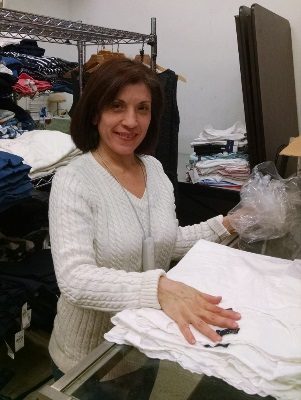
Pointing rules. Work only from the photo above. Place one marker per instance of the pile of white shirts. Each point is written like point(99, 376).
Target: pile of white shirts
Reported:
point(236, 132)
point(264, 357)
point(45, 151)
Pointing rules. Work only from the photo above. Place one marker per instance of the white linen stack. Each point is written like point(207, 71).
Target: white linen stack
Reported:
point(222, 171)
point(236, 132)
point(221, 157)
point(45, 151)
point(265, 356)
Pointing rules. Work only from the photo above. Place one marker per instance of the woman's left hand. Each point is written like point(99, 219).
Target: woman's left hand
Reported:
point(189, 307)
point(227, 225)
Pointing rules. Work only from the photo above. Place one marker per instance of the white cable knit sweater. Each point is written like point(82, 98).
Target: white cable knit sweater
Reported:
point(96, 244)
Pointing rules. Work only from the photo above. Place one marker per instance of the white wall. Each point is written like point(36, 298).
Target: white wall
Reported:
point(196, 38)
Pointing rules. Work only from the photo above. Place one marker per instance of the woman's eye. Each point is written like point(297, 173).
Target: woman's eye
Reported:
point(116, 106)
point(144, 108)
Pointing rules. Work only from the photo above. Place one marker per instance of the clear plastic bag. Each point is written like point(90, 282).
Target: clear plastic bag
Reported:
point(269, 210)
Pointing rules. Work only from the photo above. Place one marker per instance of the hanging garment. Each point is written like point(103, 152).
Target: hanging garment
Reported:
point(167, 148)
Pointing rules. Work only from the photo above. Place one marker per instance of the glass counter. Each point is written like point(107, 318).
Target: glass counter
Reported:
point(171, 383)
point(146, 378)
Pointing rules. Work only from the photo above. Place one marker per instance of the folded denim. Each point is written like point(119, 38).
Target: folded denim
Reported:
point(9, 159)
point(7, 172)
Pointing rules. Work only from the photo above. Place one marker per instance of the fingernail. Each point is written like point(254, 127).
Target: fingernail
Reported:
point(234, 325)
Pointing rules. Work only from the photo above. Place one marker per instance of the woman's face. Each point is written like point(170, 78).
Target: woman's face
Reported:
point(123, 125)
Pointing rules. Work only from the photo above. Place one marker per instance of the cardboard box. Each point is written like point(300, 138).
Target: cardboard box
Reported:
point(293, 149)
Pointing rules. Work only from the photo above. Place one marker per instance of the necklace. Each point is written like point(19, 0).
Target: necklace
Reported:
point(148, 247)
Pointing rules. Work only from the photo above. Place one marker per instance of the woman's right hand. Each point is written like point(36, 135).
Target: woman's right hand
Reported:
point(187, 306)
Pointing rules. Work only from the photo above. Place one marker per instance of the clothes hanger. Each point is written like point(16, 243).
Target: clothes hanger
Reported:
point(95, 59)
point(107, 54)
point(102, 56)
point(94, 68)
point(145, 58)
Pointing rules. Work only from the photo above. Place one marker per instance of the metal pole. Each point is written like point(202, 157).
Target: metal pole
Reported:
point(80, 65)
point(85, 52)
point(153, 44)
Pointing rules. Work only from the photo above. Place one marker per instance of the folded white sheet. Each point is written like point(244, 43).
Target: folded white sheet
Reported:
point(265, 356)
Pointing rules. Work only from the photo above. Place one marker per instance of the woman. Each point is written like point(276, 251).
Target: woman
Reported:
point(112, 220)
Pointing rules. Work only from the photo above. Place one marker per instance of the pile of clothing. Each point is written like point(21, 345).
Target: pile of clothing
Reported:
point(14, 121)
point(264, 356)
point(223, 170)
point(220, 157)
point(15, 183)
point(26, 267)
point(27, 86)
point(27, 63)
point(44, 151)
point(25, 71)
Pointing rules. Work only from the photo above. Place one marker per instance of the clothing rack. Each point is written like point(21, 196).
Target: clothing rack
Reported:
point(16, 24)
point(19, 25)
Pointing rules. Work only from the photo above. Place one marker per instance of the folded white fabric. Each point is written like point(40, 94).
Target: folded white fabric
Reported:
point(265, 356)
point(237, 162)
point(235, 132)
point(45, 151)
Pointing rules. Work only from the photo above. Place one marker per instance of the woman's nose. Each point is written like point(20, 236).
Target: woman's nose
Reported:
point(130, 119)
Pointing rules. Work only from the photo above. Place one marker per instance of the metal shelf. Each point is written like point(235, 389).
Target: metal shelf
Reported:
point(16, 24)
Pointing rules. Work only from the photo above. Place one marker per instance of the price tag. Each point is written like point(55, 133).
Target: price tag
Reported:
point(26, 316)
point(19, 340)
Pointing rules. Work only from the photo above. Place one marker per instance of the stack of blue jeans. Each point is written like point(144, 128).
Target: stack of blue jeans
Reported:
point(15, 183)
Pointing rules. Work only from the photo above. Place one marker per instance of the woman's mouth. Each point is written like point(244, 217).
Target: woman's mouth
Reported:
point(126, 135)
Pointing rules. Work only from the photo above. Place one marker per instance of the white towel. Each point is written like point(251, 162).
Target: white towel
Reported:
point(265, 356)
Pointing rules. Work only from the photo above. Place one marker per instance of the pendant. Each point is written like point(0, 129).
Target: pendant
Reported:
point(148, 254)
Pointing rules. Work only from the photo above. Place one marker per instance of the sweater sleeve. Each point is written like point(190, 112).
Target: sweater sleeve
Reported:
point(80, 280)
point(212, 230)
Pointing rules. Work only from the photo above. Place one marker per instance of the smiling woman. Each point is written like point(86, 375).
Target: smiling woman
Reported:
point(113, 226)
point(123, 125)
